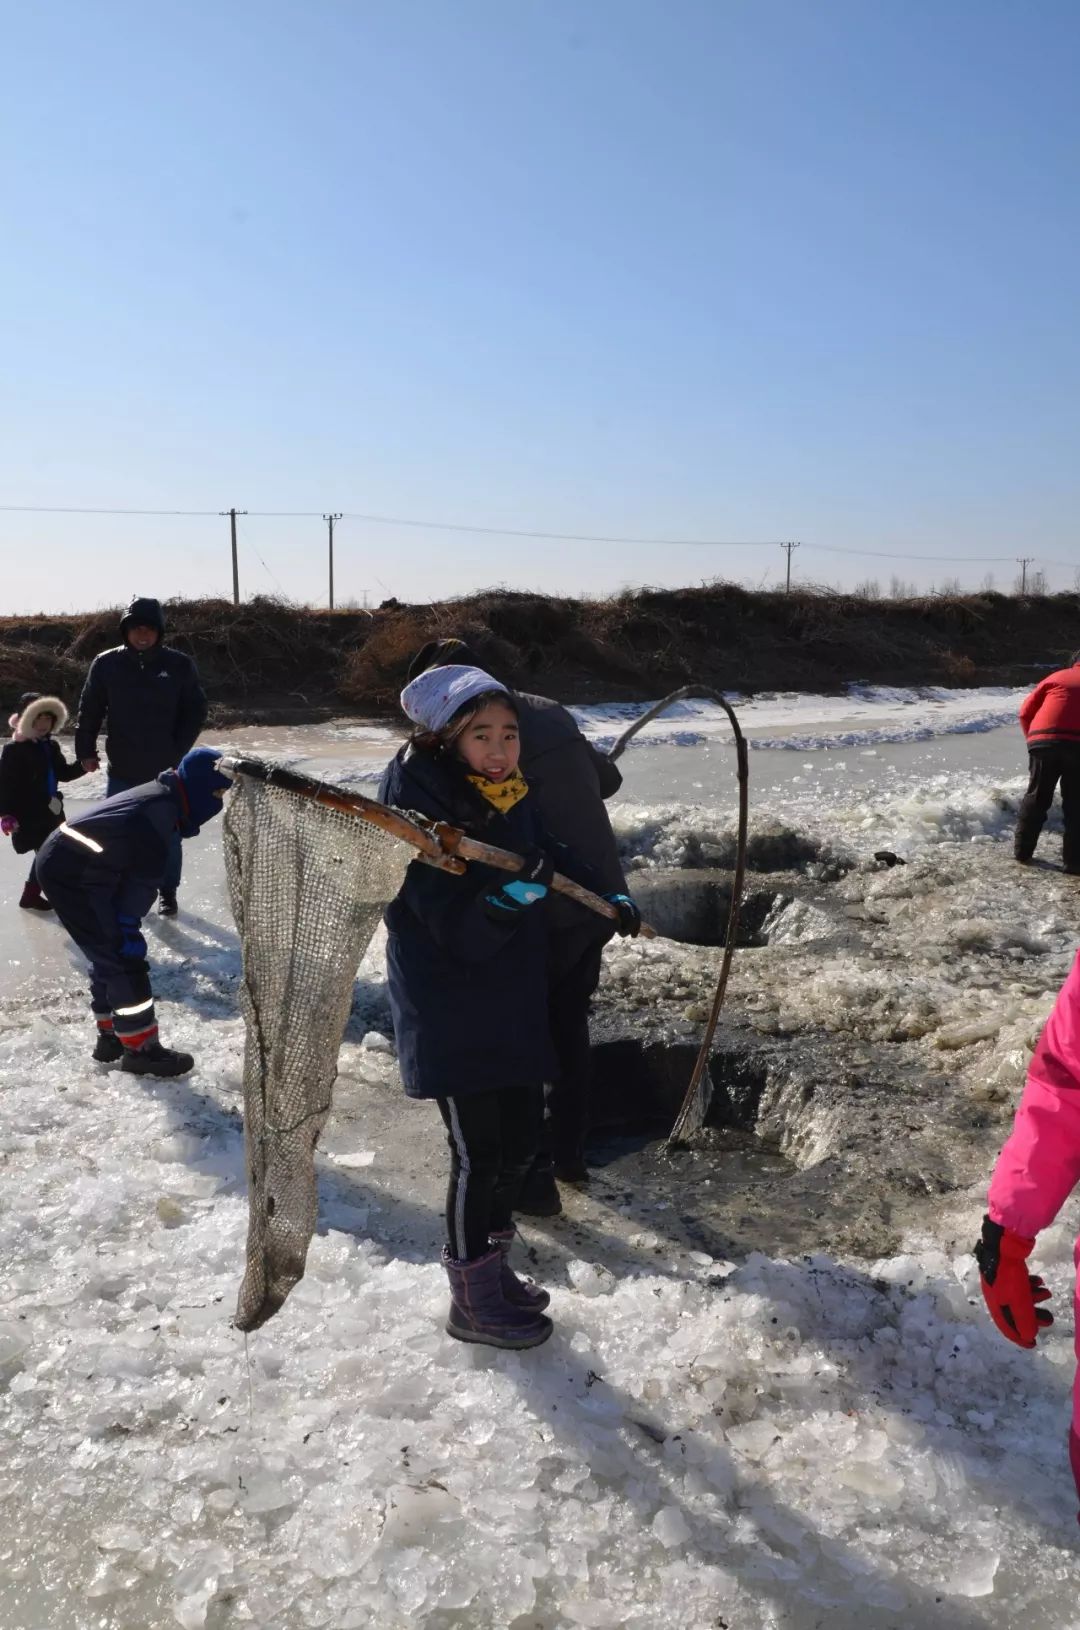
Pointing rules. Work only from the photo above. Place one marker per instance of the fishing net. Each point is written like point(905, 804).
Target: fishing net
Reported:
point(308, 886)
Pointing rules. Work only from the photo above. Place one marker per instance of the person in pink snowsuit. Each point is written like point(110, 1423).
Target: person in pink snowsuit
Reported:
point(1034, 1175)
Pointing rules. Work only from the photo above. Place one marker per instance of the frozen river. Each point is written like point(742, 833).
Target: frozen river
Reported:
point(777, 1443)
point(862, 771)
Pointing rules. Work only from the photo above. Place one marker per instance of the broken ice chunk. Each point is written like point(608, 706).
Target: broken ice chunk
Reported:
point(876, 1481)
point(753, 1439)
point(412, 1511)
point(263, 1493)
point(590, 1278)
point(973, 1575)
point(196, 1585)
point(670, 1527)
point(375, 1042)
point(13, 1348)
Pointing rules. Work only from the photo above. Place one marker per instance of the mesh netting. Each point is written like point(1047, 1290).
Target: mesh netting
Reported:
point(308, 886)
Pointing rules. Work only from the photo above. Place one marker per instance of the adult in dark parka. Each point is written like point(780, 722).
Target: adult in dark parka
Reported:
point(569, 780)
point(149, 698)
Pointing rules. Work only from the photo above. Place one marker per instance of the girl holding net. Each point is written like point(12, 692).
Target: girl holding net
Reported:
point(466, 964)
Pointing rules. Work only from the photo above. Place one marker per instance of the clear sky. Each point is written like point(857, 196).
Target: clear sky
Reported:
point(685, 269)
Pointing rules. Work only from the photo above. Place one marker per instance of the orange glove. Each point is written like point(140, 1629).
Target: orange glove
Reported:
point(1009, 1291)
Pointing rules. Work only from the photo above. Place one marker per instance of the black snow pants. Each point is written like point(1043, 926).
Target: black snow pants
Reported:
point(493, 1138)
point(88, 908)
point(1056, 762)
point(574, 961)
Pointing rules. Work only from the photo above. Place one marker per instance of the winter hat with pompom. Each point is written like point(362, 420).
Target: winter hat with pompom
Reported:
point(432, 698)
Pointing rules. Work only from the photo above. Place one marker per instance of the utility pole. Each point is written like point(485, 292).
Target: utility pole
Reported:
point(330, 519)
point(788, 547)
point(232, 514)
point(1024, 561)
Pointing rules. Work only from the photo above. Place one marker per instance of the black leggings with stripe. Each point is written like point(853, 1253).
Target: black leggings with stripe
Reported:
point(493, 1138)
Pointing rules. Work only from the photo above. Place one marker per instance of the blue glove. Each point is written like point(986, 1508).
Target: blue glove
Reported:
point(524, 889)
point(629, 918)
point(132, 944)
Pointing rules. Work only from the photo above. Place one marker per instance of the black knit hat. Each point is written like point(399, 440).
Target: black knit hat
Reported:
point(145, 611)
point(437, 653)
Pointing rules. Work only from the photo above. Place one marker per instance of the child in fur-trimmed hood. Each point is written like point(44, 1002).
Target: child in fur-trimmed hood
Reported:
point(32, 766)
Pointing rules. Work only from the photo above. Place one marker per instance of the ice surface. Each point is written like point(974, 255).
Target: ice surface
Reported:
point(778, 1445)
point(864, 715)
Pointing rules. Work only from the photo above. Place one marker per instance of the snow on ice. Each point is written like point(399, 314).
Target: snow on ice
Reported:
point(863, 715)
point(763, 1445)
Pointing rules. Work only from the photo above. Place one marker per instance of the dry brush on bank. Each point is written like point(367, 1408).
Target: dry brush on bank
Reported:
point(267, 657)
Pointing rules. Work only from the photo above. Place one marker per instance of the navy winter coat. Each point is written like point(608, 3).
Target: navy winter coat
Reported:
point(569, 780)
point(123, 845)
point(155, 708)
point(30, 774)
point(468, 995)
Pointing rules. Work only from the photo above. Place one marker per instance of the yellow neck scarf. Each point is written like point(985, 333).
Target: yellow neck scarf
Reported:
point(503, 794)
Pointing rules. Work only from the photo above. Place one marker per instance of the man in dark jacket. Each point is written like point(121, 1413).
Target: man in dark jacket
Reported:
point(101, 871)
point(1050, 717)
point(154, 706)
point(569, 779)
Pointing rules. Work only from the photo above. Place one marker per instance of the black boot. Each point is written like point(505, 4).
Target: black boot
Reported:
point(570, 1166)
point(32, 898)
point(167, 906)
point(154, 1059)
point(108, 1047)
point(539, 1194)
point(518, 1292)
point(480, 1312)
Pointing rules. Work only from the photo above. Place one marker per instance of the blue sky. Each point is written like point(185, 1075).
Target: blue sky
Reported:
point(690, 269)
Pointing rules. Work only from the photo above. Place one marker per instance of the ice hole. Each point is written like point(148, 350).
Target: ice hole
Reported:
point(692, 905)
point(638, 1085)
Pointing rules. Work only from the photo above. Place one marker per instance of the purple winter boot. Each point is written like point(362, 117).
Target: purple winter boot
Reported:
point(479, 1311)
point(518, 1292)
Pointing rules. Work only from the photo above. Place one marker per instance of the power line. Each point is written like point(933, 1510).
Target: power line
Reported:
point(403, 520)
point(563, 537)
point(54, 509)
point(668, 543)
point(528, 532)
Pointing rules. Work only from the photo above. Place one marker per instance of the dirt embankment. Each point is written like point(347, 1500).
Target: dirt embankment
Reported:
point(269, 660)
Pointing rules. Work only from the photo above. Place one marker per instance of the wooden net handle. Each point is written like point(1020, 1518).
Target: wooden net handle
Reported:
point(457, 842)
point(439, 843)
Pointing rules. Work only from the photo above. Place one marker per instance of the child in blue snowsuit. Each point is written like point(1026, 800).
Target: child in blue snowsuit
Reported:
point(467, 972)
point(101, 872)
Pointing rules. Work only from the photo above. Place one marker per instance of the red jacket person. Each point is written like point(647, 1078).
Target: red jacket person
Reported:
point(1050, 717)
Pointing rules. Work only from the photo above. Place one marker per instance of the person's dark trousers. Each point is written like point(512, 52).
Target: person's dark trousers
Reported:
point(119, 985)
point(493, 1138)
point(1057, 762)
point(33, 898)
point(171, 880)
point(574, 963)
